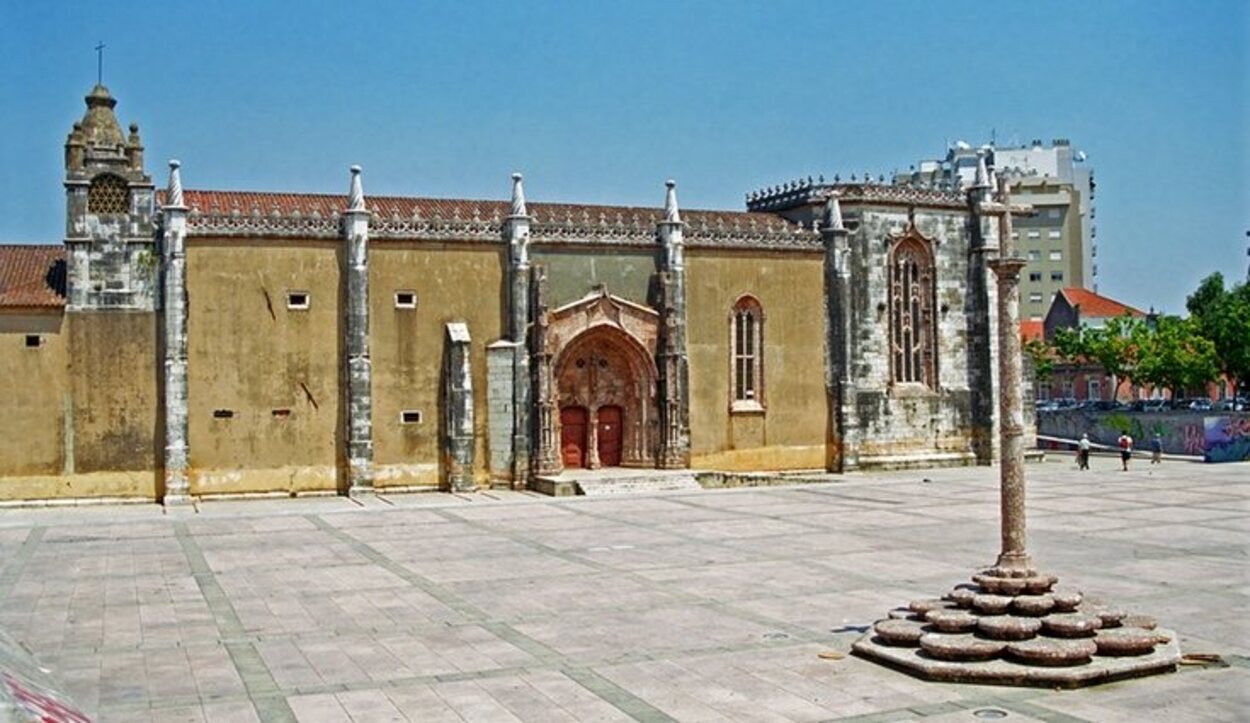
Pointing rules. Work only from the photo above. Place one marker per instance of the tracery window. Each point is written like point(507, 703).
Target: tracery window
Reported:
point(748, 354)
point(911, 314)
point(108, 194)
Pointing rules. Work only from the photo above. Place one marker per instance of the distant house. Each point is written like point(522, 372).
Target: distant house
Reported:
point(1074, 308)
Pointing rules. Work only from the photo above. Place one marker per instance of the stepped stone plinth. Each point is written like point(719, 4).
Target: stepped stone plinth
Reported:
point(1032, 637)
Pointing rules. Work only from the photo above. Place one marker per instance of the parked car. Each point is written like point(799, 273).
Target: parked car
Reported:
point(1047, 405)
point(1200, 405)
point(1154, 405)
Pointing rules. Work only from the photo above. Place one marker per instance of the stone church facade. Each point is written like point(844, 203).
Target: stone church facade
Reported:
point(191, 342)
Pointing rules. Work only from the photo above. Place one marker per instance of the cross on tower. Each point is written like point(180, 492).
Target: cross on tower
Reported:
point(99, 63)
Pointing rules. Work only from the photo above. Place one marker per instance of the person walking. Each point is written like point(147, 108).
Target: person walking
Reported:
point(1156, 449)
point(1126, 450)
point(1082, 453)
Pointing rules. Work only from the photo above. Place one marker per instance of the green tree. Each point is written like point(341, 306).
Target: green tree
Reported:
point(1110, 346)
point(1174, 354)
point(1043, 357)
point(1223, 316)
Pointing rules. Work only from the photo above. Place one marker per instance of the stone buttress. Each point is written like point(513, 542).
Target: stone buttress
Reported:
point(173, 236)
point(674, 382)
point(359, 370)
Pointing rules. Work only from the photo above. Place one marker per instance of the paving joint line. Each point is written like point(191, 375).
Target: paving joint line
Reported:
point(17, 565)
point(266, 696)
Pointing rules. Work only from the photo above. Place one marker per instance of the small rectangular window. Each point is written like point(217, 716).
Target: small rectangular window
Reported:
point(1035, 276)
point(297, 300)
point(1036, 297)
point(1053, 233)
point(405, 299)
point(1056, 276)
point(1034, 233)
point(1015, 234)
point(33, 341)
point(223, 414)
point(410, 416)
point(1054, 213)
point(1035, 255)
point(1056, 256)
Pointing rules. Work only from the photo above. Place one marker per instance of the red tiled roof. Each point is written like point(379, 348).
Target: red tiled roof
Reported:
point(32, 276)
point(1095, 306)
point(1031, 330)
point(404, 207)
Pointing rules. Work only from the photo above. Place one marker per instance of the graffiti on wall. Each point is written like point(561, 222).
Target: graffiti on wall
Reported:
point(1227, 439)
point(1223, 438)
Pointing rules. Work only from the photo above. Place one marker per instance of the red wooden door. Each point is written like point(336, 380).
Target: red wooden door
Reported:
point(573, 436)
point(609, 436)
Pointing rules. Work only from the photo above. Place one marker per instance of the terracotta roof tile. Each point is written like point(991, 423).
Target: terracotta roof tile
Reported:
point(1095, 306)
point(32, 276)
point(405, 207)
point(1031, 330)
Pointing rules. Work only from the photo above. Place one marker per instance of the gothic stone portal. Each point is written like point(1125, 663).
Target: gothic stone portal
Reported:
point(605, 380)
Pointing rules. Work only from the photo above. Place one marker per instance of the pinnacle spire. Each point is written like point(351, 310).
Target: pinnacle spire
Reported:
point(833, 213)
point(173, 194)
point(356, 197)
point(671, 214)
point(518, 196)
point(983, 177)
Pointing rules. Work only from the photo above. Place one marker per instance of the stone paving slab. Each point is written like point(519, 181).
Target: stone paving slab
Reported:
point(710, 605)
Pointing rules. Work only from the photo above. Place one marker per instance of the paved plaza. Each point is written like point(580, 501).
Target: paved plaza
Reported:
point(705, 605)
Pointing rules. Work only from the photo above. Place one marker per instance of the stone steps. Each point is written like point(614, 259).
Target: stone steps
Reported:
point(638, 483)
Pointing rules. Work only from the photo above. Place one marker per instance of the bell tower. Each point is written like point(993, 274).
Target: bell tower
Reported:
point(113, 262)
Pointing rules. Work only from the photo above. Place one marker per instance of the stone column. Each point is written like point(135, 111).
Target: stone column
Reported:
point(546, 448)
point(517, 234)
point(981, 325)
point(177, 486)
point(458, 410)
point(359, 367)
point(674, 392)
point(841, 453)
point(1013, 557)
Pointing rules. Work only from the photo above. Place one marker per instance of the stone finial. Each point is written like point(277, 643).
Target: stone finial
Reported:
point(173, 194)
point(518, 196)
point(983, 176)
point(671, 214)
point(356, 197)
point(833, 213)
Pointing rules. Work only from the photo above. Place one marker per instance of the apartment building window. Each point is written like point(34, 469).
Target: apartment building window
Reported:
point(1054, 213)
point(1056, 255)
point(1035, 276)
point(1053, 233)
point(1035, 297)
point(1035, 255)
point(1095, 388)
point(1034, 233)
point(1056, 276)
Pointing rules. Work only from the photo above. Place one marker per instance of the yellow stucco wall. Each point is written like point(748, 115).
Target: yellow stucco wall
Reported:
point(114, 380)
point(33, 385)
point(250, 354)
point(790, 433)
point(452, 282)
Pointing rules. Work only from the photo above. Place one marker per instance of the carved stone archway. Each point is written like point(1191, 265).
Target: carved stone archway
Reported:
point(603, 349)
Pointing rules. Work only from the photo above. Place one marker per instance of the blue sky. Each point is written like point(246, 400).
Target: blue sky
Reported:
point(600, 102)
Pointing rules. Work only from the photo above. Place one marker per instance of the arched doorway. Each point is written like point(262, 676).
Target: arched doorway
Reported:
point(605, 383)
point(573, 436)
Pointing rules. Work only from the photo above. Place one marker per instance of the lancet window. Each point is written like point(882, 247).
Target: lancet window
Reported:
point(912, 332)
point(748, 353)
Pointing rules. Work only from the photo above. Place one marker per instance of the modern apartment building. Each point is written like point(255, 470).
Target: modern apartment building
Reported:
point(1059, 240)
